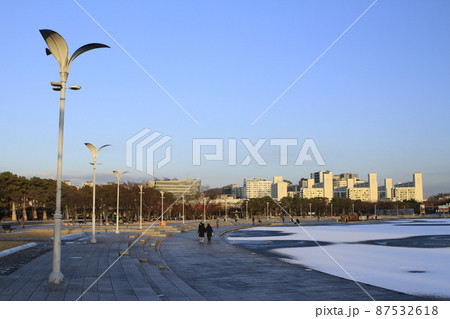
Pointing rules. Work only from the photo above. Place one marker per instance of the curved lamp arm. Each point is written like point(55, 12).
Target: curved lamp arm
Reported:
point(57, 46)
point(94, 150)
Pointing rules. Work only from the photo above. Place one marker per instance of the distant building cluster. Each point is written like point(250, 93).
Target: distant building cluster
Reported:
point(325, 184)
point(320, 184)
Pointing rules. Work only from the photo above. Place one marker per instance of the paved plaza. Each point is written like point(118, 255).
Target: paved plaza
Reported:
point(176, 267)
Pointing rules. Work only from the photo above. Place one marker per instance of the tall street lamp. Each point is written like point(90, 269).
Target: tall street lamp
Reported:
point(118, 175)
point(57, 46)
point(140, 206)
point(94, 163)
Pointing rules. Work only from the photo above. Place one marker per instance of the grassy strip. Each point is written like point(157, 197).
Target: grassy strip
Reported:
point(4, 245)
point(38, 233)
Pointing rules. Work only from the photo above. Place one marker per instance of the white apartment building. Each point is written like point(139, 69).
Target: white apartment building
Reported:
point(279, 188)
point(257, 188)
point(364, 191)
point(318, 189)
point(403, 190)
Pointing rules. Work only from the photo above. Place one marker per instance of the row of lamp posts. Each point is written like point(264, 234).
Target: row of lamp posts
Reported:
point(94, 163)
point(57, 46)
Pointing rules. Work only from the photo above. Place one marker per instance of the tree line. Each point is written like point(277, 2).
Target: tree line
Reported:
point(33, 198)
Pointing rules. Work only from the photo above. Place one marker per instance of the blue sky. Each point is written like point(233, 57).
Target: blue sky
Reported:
point(377, 101)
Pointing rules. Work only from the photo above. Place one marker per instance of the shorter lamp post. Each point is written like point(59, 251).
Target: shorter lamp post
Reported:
point(140, 206)
point(162, 208)
point(94, 163)
point(183, 208)
point(204, 210)
point(246, 209)
point(118, 175)
point(226, 210)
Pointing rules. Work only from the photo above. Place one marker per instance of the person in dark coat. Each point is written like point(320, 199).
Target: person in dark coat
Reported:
point(209, 232)
point(201, 232)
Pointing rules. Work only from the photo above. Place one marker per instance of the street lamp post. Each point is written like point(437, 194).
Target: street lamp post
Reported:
point(118, 175)
point(204, 210)
point(267, 211)
point(226, 210)
point(162, 207)
point(140, 206)
point(246, 209)
point(94, 163)
point(57, 46)
point(183, 208)
point(310, 213)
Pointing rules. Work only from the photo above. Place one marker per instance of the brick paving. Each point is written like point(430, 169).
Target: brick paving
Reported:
point(159, 268)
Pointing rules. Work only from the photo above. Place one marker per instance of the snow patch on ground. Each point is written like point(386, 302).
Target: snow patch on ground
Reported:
point(417, 271)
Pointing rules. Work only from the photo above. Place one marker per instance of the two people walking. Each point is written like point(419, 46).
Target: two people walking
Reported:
point(202, 230)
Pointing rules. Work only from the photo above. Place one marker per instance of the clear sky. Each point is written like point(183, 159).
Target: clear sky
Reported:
point(377, 101)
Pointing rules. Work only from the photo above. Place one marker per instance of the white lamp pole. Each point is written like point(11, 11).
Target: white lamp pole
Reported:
point(118, 175)
point(183, 208)
point(94, 163)
point(57, 46)
point(246, 209)
point(204, 210)
point(226, 210)
point(140, 206)
point(162, 206)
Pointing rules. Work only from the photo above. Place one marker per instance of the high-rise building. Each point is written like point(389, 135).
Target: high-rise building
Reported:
point(409, 190)
point(257, 188)
point(279, 188)
point(311, 188)
point(318, 176)
point(364, 191)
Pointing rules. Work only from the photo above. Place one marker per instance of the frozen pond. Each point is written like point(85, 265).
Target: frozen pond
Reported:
point(410, 256)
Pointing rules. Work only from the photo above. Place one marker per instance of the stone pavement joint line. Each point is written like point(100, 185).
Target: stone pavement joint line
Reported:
point(171, 264)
